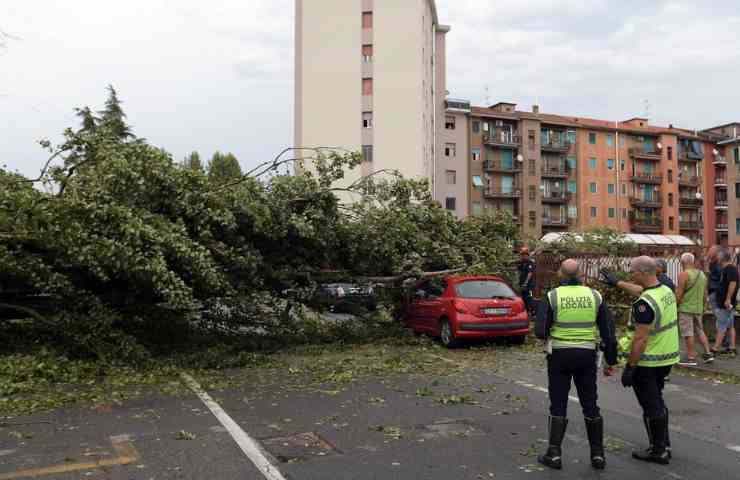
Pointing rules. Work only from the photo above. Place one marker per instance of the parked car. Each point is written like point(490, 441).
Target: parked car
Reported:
point(345, 296)
point(466, 307)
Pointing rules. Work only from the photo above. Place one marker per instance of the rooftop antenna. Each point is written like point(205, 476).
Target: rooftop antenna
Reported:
point(488, 98)
point(647, 109)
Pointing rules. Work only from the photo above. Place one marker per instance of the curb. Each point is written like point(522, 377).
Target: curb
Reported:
point(709, 370)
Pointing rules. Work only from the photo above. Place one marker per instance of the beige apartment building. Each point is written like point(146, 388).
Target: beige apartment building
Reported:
point(370, 77)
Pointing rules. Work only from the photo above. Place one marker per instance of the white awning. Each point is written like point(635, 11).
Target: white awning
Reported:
point(640, 239)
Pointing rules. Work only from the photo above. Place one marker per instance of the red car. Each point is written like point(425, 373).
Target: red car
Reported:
point(467, 307)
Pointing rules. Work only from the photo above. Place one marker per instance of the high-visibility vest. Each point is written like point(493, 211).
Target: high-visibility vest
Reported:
point(662, 347)
point(574, 309)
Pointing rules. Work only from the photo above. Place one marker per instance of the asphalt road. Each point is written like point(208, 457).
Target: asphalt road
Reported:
point(473, 425)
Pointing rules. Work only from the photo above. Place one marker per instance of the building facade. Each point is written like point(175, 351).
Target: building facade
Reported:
point(357, 90)
point(558, 173)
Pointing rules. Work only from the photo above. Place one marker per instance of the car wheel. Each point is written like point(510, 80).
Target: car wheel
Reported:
point(518, 340)
point(447, 335)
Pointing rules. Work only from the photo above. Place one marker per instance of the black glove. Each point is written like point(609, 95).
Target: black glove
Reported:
point(608, 277)
point(628, 376)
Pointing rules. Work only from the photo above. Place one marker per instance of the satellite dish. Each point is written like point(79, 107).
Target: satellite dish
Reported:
point(698, 195)
point(660, 146)
point(520, 158)
point(715, 152)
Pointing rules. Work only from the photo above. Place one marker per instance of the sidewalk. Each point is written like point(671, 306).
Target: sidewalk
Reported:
point(722, 364)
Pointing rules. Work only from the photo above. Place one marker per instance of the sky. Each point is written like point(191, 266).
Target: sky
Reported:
point(218, 75)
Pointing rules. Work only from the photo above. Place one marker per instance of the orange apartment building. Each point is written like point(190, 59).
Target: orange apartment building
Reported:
point(557, 173)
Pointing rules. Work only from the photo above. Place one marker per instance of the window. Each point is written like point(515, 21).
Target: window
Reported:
point(670, 176)
point(476, 127)
point(592, 163)
point(449, 150)
point(477, 209)
point(476, 154)
point(572, 137)
point(670, 199)
point(367, 120)
point(450, 203)
point(572, 163)
point(367, 86)
point(451, 177)
point(367, 153)
point(610, 139)
point(736, 152)
point(670, 223)
point(593, 212)
point(612, 212)
point(532, 214)
point(367, 53)
point(572, 211)
point(449, 122)
point(592, 138)
point(610, 164)
point(592, 187)
point(367, 20)
point(670, 153)
point(610, 188)
point(624, 213)
point(485, 126)
point(532, 192)
point(572, 186)
point(477, 181)
point(737, 226)
point(621, 165)
point(624, 189)
point(531, 139)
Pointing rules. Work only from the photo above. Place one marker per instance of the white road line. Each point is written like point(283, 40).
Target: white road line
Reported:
point(251, 448)
point(675, 428)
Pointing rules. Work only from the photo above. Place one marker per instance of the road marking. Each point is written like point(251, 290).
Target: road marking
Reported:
point(122, 444)
point(675, 428)
point(251, 448)
point(572, 398)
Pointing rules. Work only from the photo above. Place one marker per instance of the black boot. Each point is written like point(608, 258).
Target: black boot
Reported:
point(667, 435)
point(656, 430)
point(553, 457)
point(595, 431)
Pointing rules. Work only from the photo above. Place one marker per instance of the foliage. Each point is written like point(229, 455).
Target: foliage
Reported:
point(127, 253)
point(224, 167)
point(596, 241)
point(193, 162)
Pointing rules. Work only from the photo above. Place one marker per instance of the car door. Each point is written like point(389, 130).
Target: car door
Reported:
point(414, 307)
point(432, 307)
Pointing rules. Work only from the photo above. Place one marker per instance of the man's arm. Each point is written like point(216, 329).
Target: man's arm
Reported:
point(730, 291)
point(530, 270)
point(605, 322)
point(639, 343)
point(631, 288)
point(543, 320)
point(683, 279)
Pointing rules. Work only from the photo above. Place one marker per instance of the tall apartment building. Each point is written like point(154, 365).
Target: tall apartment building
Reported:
point(370, 77)
point(558, 173)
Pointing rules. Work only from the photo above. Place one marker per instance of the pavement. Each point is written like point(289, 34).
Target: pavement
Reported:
point(473, 423)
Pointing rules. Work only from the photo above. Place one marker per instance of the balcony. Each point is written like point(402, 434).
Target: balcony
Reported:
point(502, 193)
point(639, 153)
point(688, 202)
point(720, 181)
point(498, 167)
point(689, 225)
point(556, 222)
point(719, 160)
point(646, 224)
point(722, 227)
point(556, 146)
point(655, 202)
point(689, 181)
point(647, 178)
point(684, 156)
point(720, 203)
point(555, 197)
point(554, 171)
point(502, 138)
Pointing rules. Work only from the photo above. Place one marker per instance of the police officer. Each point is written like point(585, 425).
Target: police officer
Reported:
point(654, 350)
point(526, 269)
point(568, 318)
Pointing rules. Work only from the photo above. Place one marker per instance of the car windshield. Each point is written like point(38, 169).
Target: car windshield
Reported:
point(484, 289)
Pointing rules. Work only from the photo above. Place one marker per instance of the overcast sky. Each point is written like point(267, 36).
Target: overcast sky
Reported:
point(198, 75)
